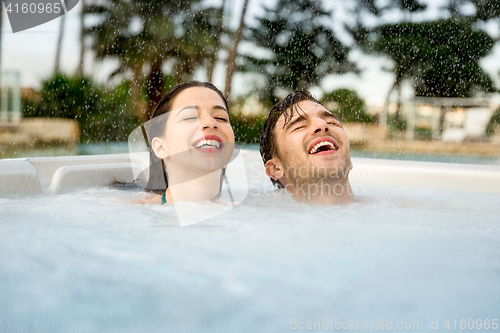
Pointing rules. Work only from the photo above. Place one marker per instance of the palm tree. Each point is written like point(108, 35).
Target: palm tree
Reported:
point(299, 47)
point(233, 52)
point(144, 34)
point(59, 44)
point(82, 39)
point(1, 30)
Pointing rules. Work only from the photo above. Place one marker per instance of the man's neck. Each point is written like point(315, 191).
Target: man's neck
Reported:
point(321, 191)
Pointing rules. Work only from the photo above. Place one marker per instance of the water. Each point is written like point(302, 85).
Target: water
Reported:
point(444, 158)
point(122, 147)
point(89, 262)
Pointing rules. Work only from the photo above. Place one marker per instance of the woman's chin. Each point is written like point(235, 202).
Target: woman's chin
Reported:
point(194, 160)
point(212, 162)
point(214, 159)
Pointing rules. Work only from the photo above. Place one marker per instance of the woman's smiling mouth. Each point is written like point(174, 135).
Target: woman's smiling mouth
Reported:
point(208, 144)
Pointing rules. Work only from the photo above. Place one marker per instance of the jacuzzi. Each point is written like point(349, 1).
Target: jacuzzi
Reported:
point(419, 251)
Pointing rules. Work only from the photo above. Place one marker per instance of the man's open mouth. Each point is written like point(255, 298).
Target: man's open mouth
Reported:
point(323, 146)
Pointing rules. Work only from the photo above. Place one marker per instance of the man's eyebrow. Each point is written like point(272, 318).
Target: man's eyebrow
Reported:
point(299, 118)
point(293, 122)
point(329, 114)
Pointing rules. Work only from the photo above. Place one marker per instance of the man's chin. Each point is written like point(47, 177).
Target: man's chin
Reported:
point(330, 169)
point(326, 160)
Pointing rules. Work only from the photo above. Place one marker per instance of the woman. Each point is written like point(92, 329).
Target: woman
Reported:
point(191, 141)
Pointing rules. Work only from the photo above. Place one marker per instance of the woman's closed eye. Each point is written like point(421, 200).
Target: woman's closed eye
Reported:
point(222, 119)
point(190, 118)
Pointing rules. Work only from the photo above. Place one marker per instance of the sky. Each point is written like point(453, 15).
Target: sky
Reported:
point(32, 54)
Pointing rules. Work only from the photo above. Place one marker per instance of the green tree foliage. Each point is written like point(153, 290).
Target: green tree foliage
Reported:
point(102, 115)
point(143, 34)
point(378, 8)
point(440, 57)
point(347, 105)
point(494, 120)
point(485, 10)
point(376, 11)
point(295, 46)
point(66, 97)
point(115, 117)
point(247, 129)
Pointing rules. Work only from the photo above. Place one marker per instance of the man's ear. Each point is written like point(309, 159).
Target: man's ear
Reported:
point(274, 168)
point(159, 147)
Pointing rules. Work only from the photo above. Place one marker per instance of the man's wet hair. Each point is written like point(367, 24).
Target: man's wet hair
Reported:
point(288, 108)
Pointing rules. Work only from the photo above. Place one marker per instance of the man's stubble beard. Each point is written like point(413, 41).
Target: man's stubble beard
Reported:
point(326, 179)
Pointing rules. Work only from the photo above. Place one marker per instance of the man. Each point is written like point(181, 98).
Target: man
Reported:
point(306, 151)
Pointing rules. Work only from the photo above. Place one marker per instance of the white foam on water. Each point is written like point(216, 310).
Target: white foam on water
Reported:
point(90, 262)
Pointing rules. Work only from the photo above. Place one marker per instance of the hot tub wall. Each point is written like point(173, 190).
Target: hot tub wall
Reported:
point(53, 175)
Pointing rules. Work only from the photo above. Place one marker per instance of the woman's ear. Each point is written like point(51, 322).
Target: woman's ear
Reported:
point(159, 147)
point(274, 169)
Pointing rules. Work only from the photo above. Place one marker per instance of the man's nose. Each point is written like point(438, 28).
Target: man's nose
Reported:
point(320, 125)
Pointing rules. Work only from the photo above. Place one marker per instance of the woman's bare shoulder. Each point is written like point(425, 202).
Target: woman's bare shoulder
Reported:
point(145, 198)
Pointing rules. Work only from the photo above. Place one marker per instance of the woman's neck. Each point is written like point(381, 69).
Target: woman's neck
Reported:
point(202, 188)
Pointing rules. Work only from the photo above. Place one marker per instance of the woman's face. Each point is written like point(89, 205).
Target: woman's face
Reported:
point(198, 133)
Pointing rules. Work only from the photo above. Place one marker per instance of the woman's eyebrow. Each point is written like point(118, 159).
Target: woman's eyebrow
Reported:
point(219, 107)
point(189, 107)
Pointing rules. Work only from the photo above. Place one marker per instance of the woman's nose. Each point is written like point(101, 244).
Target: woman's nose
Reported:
point(208, 122)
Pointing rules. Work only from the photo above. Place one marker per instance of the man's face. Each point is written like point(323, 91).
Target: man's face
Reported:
point(310, 147)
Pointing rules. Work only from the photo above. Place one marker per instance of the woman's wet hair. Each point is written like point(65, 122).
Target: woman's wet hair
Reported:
point(158, 178)
point(287, 107)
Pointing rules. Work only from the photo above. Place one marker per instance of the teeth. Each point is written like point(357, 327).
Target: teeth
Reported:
point(214, 144)
point(320, 144)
